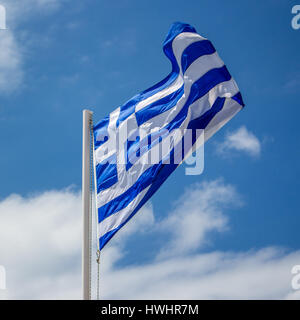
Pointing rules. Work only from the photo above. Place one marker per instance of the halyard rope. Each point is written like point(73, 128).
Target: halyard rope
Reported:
point(92, 176)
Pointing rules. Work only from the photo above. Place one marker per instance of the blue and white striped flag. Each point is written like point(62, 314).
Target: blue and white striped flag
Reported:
point(199, 94)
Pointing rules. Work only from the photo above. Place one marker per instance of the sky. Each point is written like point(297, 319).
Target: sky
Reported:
point(231, 232)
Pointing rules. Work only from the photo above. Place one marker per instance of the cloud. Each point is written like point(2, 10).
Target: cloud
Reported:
point(203, 206)
point(240, 140)
point(40, 243)
point(142, 222)
point(21, 9)
point(11, 46)
point(41, 251)
point(263, 274)
point(69, 79)
point(126, 43)
point(11, 71)
point(293, 83)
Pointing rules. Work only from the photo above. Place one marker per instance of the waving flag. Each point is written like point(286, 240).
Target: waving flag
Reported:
point(199, 94)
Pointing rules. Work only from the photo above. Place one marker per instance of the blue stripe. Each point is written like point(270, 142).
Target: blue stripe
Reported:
point(125, 198)
point(176, 28)
point(195, 51)
point(106, 173)
point(238, 98)
point(150, 174)
point(202, 121)
point(155, 176)
point(159, 106)
point(101, 132)
point(190, 54)
point(199, 88)
point(166, 169)
point(163, 171)
point(128, 108)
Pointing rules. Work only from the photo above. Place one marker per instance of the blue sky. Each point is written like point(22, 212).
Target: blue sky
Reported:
point(64, 56)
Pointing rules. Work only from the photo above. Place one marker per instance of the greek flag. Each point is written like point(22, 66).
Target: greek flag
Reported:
point(199, 94)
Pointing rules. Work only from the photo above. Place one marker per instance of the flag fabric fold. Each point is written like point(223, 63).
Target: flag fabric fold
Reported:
point(198, 94)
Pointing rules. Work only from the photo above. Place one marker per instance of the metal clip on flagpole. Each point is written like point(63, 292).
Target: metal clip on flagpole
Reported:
point(98, 274)
point(86, 204)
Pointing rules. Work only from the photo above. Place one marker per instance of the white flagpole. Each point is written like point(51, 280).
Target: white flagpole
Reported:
point(86, 200)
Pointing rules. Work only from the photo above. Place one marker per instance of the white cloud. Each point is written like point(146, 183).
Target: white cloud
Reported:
point(40, 242)
point(126, 42)
point(22, 9)
point(11, 46)
point(141, 223)
point(41, 250)
point(11, 72)
point(293, 83)
point(240, 140)
point(263, 274)
point(202, 206)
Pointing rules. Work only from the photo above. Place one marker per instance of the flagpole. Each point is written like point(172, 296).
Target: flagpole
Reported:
point(86, 201)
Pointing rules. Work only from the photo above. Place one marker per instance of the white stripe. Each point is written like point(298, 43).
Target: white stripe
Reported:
point(161, 94)
point(196, 70)
point(228, 111)
point(196, 109)
point(183, 40)
point(111, 143)
point(113, 221)
point(179, 44)
point(230, 108)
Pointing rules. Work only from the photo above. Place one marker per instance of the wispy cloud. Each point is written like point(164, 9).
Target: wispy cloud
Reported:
point(126, 43)
point(41, 250)
point(240, 140)
point(11, 69)
point(22, 9)
point(11, 46)
point(203, 206)
point(262, 274)
point(69, 79)
point(293, 84)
